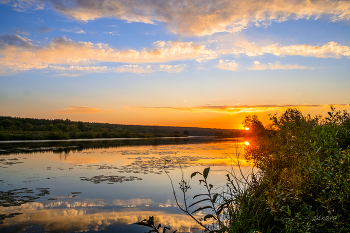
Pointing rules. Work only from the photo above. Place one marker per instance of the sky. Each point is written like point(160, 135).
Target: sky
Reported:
point(198, 63)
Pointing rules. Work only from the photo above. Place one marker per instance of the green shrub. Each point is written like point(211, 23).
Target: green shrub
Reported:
point(305, 174)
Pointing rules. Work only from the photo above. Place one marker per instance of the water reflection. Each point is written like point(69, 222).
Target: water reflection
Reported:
point(81, 216)
point(18, 197)
point(87, 190)
point(66, 146)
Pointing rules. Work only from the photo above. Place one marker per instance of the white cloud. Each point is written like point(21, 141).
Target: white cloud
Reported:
point(75, 30)
point(329, 50)
point(196, 17)
point(227, 65)
point(277, 66)
point(139, 69)
point(18, 53)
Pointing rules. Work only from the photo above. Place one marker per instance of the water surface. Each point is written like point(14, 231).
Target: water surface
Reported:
point(105, 186)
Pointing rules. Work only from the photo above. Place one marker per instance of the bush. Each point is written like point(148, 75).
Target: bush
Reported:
point(305, 174)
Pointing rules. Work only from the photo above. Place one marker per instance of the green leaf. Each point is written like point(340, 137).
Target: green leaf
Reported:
point(195, 173)
point(206, 172)
point(201, 208)
point(207, 199)
point(203, 194)
point(146, 222)
point(143, 224)
point(209, 216)
point(215, 196)
point(221, 208)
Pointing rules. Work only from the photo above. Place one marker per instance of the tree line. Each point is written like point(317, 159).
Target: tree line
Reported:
point(16, 128)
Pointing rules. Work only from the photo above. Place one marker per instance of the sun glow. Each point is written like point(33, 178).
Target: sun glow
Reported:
point(246, 143)
point(246, 128)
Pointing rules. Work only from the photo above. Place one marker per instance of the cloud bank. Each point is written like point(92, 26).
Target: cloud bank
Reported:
point(18, 53)
point(329, 50)
point(195, 17)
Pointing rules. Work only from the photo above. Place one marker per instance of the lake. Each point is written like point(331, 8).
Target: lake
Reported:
point(107, 185)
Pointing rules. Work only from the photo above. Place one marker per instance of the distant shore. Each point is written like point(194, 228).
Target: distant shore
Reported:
point(19, 129)
point(96, 139)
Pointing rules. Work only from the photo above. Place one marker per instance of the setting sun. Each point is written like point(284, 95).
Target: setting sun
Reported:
point(246, 128)
point(246, 143)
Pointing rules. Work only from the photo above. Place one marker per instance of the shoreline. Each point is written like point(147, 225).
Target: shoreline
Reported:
point(98, 139)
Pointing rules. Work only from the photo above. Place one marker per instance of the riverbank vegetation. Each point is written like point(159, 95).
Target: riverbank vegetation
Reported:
point(301, 181)
point(15, 128)
point(304, 180)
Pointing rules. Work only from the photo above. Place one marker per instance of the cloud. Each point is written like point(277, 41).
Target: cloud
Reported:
point(64, 51)
point(7, 41)
point(78, 68)
point(81, 110)
point(227, 65)
point(235, 109)
point(19, 32)
point(19, 54)
point(329, 50)
point(195, 17)
point(276, 66)
point(138, 69)
point(77, 216)
point(24, 5)
point(75, 30)
point(45, 29)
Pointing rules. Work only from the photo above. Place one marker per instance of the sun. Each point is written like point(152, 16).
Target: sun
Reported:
point(246, 128)
point(246, 143)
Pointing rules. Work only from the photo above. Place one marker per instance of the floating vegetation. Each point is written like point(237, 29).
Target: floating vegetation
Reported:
point(43, 191)
point(155, 165)
point(10, 161)
point(109, 179)
point(17, 197)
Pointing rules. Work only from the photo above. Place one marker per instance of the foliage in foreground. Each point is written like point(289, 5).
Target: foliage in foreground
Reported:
point(303, 182)
point(150, 223)
point(304, 179)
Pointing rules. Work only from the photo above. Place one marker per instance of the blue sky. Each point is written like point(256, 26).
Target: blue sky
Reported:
point(189, 63)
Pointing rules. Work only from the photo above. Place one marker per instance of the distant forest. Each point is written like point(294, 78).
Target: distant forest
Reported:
point(15, 128)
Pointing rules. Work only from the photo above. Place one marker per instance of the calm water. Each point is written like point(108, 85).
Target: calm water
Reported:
point(104, 185)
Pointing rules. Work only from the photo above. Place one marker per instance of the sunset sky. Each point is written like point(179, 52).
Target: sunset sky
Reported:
point(177, 62)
